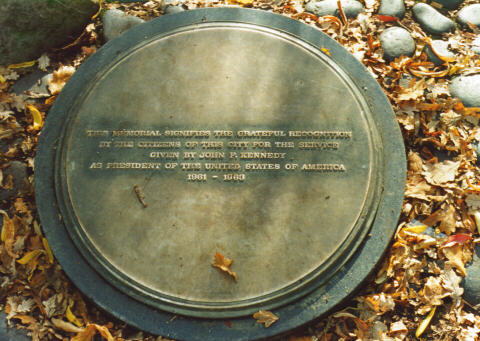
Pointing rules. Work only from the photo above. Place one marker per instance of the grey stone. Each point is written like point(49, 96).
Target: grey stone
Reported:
point(115, 22)
point(174, 9)
point(469, 14)
point(11, 332)
point(476, 45)
point(394, 8)
point(467, 88)
point(35, 82)
point(397, 41)
point(431, 20)
point(471, 282)
point(29, 28)
point(442, 48)
point(351, 8)
point(18, 170)
point(449, 4)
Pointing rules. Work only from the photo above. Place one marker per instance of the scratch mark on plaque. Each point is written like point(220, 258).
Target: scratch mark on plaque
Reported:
point(140, 196)
point(147, 179)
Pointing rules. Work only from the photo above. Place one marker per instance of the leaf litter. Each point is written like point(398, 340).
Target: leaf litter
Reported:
point(417, 287)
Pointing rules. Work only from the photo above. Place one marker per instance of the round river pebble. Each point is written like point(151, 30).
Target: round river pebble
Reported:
point(397, 41)
point(115, 22)
point(467, 88)
point(470, 282)
point(394, 8)
point(469, 14)
point(351, 8)
point(431, 20)
point(440, 47)
point(174, 9)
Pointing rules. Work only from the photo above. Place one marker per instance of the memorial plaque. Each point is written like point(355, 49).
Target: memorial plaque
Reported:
point(220, 130)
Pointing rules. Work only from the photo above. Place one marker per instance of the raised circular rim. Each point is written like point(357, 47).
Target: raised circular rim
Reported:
point(306, 308)
point(187, 307)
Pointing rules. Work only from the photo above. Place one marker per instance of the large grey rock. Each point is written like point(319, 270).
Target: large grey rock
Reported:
point(449, 4)
point(440, 47)
point(467, 88)
point(431, 20)
point(469, 14)
point(29, 28)
point(18, 170)
point(397, 41)
point(471, 282)
point(351, 8)
point(115, 22)
point(394, 8)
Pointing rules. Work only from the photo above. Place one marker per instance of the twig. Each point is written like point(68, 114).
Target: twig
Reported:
point(342, 13)
point(140, 196)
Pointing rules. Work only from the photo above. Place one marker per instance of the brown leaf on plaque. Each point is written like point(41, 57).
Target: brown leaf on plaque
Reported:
point(223, 263)
point(266, 317)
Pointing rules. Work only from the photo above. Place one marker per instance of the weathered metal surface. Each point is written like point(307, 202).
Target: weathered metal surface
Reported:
point(224, 130)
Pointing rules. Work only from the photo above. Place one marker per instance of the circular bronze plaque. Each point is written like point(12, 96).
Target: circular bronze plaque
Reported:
point(225, 131)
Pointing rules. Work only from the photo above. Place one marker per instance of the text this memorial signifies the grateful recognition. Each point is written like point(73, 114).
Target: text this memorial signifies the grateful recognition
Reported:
point(206, 151)
point(220, 133)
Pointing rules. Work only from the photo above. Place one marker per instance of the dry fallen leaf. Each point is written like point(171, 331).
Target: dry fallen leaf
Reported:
point(380, 303)
point(434, 292)
point(71, 317)
point(223, 263)
point(451, 281)
point(441, 172)
point(421, 328)
point(48, 250)
point(66, 326)
point(242, 2)
point(266, 317)
point(398, 327)
point(36, 116)
point(8, 234)
point(59, 79)
point(446, 217)
point(415, 162)
point(20, 206)
point(30, 256)
point(22, 65)
point(89, 332)
point(457, 257)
